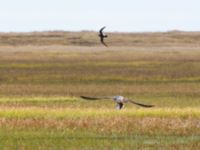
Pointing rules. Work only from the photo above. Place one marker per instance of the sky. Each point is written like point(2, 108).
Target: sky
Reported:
point(116, 15)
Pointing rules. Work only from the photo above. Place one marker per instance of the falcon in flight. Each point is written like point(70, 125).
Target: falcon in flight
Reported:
point(120, 100)
point(102, 36)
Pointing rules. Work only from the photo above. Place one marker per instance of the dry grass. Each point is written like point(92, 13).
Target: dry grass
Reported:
point(87, 38)
point(163, 121)
point(43, 74)
point(73, 71)
point(106, 126)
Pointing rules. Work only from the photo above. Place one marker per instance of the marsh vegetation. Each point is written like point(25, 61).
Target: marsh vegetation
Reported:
point(40, 85)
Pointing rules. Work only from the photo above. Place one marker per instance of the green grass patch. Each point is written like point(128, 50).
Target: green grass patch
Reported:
point(68, 140)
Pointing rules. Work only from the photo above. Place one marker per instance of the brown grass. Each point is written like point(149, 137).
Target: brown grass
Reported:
point(74, 71)
point(87, 38)
point(40, 72)
point(124, 125)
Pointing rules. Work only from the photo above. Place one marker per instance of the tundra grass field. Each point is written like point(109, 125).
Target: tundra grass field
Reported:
point(41, 108)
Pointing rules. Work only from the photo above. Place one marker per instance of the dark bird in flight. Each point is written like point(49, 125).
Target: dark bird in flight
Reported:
point(102, 36)
point(120, 100)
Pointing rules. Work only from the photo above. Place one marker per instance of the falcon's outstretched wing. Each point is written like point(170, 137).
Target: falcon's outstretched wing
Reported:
point(103, 43)
point(139, 104)
point(101, 30)
point(95, 98)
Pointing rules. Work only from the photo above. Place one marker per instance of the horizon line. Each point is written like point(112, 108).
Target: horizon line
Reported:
point(155, 31)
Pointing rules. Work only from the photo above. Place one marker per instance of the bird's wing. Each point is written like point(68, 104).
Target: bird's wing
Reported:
point(103, 42)
point(95, 98)
point(139, 104)
point(101, 30)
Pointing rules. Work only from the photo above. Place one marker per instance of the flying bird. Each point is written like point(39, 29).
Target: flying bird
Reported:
point(102, 36)
point(120, 100)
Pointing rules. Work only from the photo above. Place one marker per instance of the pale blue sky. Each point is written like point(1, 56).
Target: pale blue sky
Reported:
point(117, 15)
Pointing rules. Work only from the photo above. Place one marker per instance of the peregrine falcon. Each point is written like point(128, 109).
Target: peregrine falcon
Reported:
point(102, 36)
point(120, 100)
